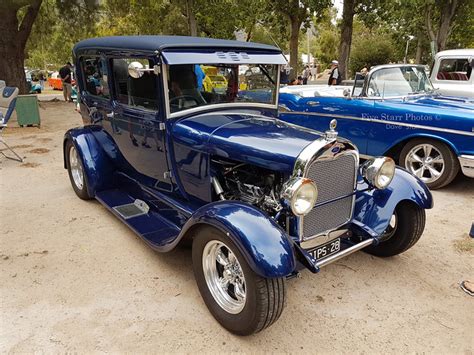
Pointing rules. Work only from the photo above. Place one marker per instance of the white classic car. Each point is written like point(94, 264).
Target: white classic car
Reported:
point(452, 72)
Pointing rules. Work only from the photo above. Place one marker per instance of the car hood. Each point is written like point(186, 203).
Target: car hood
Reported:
point(448, 102)
point(246, 136)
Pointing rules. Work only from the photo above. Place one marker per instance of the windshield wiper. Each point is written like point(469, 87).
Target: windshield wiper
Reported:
point(265, 71)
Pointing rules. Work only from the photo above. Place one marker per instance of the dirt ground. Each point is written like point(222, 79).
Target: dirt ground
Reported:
point(75, 279)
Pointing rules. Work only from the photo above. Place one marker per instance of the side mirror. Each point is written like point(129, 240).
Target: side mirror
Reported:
point(347, 93)
point(135, 70)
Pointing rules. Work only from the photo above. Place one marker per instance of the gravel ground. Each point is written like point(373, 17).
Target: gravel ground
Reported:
point(75, 279)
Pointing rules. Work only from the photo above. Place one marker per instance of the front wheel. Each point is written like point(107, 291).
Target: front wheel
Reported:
point(404, 230)
point(241, 301)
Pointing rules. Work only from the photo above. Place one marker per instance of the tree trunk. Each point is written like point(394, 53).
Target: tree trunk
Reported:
point(295, 24)
point(346, 37)
point(191, 18)
point(419, 50)
point(13, 41)
point(448, 11)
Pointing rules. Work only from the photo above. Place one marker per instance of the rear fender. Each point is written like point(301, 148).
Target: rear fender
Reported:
point(265, 246)
point(98, 168)
point(374, 208)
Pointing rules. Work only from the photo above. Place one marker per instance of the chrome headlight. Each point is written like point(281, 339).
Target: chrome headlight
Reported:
point(300, 194)
point(378, 172)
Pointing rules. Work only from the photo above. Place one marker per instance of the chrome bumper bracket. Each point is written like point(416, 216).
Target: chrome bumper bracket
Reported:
point(314, 266)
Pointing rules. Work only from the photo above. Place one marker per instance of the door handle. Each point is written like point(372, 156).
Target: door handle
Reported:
point(313, 103)
point(110, 115)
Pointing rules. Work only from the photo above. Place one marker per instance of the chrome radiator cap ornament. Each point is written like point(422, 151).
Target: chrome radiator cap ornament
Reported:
point(331, 134)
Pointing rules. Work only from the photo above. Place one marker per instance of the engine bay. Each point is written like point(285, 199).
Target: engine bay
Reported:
point(244, 182)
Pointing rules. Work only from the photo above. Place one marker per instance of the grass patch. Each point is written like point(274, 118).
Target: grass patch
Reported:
point(464, 244)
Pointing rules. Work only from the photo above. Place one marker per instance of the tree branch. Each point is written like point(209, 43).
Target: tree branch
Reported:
point(28, 20)
point(429, 26)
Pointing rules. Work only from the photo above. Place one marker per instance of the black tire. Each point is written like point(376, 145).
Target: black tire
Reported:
point(406, 231)
point(265, 297)
point(81, 191)
point(451, 163)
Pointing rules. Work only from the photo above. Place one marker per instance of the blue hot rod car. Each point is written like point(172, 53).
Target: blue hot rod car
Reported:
point(394, 112)
point(260, 199)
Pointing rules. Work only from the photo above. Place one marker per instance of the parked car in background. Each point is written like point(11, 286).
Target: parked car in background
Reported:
point(213, 81)
point(452, 72)
point(395, 112)
point(31, 86)
point(259, 198)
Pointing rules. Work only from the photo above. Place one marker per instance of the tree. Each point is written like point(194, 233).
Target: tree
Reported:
point(446, 12)
point(16, 23)
point(346, 36)
point(297, 13)
point(351, 8)
point(370, 49)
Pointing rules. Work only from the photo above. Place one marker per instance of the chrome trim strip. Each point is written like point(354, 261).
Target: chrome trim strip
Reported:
point(219, 106)
point(467, 165)
point(344, 253)
point(164, 75)
point(410, 125)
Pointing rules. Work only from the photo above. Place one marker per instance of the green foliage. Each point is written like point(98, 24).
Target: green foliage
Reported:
point(371, 49)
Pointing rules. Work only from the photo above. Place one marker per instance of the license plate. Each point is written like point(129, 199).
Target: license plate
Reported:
point(327, 249)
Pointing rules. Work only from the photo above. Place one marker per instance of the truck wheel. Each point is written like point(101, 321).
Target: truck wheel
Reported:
point(76, 171)
point(405, 228)
point(432, 161)
point(241, 301)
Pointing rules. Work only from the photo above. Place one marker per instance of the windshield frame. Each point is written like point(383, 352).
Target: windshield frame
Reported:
point(394, 66)
point(219, 106)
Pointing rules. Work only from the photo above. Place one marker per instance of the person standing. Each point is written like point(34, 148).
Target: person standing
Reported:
point(41, 78)
point(335, 77)
point(306, 74)
point(65, 75)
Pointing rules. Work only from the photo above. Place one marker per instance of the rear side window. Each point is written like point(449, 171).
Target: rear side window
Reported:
point(95, 76)
point(457, 69)
point(138, 92)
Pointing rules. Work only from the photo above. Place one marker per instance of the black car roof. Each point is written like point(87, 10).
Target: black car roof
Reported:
point(160, 43)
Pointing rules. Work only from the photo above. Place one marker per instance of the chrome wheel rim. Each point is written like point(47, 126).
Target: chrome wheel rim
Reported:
point(224, 276)
point(391, 229)
point(426, 162)
point(76, 168)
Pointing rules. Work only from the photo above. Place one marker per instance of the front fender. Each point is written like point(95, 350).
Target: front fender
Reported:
point(98, 168)
point(265, 246)
point(374, 208)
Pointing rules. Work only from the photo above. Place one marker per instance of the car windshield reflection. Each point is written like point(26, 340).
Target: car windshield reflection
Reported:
point(196, 85)
point(399, 81)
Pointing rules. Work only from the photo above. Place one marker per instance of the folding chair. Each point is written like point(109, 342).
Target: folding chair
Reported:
point(7, 105)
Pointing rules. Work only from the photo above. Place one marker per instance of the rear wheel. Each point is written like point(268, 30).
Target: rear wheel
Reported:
point(241, 301)
point(404, 230)
point(431, 161)
point(75, 169)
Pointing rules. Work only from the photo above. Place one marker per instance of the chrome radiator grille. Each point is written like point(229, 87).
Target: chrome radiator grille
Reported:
point(334, 179)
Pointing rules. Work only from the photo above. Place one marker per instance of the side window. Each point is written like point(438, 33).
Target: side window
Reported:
point(457, 69)
point(95, 76)
point(139, 92)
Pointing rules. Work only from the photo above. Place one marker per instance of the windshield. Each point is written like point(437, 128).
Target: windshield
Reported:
point(398, 81)
point(195, 85)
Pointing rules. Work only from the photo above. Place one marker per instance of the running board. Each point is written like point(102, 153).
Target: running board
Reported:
point(146, 221)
